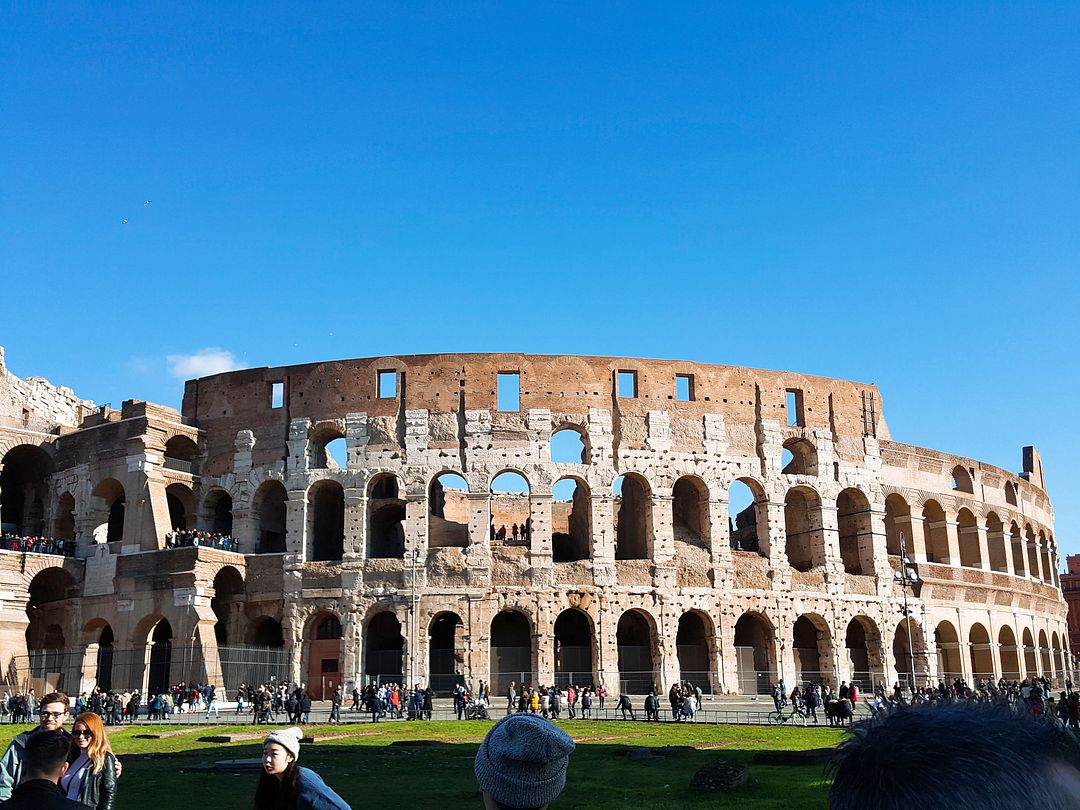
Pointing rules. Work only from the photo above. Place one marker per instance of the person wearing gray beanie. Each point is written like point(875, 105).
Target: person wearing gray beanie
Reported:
point(522, 763)
point(284, 784)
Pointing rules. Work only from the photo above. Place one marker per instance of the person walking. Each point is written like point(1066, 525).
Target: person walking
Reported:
point(511, 698)
point(211, 702)
point(335, 706)
point(91, 776)
point(283, 785)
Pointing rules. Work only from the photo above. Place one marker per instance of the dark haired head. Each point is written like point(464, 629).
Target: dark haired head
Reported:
point(962, 756)
point(278, 794)
point(45, 755)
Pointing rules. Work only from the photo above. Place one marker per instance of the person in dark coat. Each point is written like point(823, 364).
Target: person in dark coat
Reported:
point(44, 763)
point(91, 773)
point(428, 697)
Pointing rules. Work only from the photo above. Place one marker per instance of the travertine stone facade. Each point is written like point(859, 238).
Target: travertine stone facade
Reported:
point(645, 574)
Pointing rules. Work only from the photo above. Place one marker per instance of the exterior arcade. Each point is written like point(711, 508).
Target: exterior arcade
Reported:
point(507, 517)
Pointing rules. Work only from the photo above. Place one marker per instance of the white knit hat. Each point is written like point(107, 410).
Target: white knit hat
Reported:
point(287, 738)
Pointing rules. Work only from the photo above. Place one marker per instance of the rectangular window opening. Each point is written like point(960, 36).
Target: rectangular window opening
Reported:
point(509, 390)
point(277, 394)
point(684, 387)
point(387, 384)
point(626, 384)
point(795, 408)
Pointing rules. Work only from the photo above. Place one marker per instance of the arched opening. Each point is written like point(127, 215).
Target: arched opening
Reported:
point(326, 516)
point(1059, 658)
point(961, 480)
point(635, 640)
point(324, 656)
point(968, 539)
point(905, 651)
point(158, 679)
point(633, 518)
point(995, 544)
point(1032, 552)
point(446, 652)
point(573, 649)
point(65, 517)
point(798, 457)
point(218, 509)
point(181, 454)
point(386, 519)
point(383, 648)
point(269, 505)
point(24, 475)
point(327, 450)
point(111, 502)
point(104, 662)
point(509, 518)
point(812, 645)
point(947, 641)
point(690, 512)
point(227, 603)
point(448, 511)
point(747, 516)
point(754, 655)
point(1009, 654)
point(1047, 568)
point(695, 643)
point(1010, 493)
point(267, 632)
point(802, 523)
point(1031, 666)
point(897, 520)
point(571, 520)
point(1019, 555)
point(568, 446)
point(52, 593)
point(511, 651)
point(1044, 656)
point(982, 658)
point(862, 641)
point(856, 537)
point(181, 503)
point(936, 533)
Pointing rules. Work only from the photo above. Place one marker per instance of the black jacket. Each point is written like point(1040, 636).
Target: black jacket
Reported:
point(99, 789)
point(41, 794)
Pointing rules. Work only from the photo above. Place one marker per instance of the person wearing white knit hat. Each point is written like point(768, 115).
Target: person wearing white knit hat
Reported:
point(283, 783)
point(522, 763)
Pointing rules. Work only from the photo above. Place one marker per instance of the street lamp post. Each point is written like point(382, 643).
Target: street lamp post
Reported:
point(907, 577)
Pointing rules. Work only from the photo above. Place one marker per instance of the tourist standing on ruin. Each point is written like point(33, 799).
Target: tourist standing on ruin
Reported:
point(283, 785)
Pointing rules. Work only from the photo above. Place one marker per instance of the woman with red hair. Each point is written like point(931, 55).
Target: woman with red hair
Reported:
point(91, 774)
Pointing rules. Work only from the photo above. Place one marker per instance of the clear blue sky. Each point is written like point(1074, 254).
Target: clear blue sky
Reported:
point(887, 195)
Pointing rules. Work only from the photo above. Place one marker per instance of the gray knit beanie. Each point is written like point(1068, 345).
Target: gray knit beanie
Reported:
point(522, 761)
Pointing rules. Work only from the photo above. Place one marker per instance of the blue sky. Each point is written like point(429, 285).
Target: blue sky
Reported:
point(890, 195)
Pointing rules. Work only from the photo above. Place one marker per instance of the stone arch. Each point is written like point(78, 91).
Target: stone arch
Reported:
point(1010, 493)
point(1059, 658)
point(636, 642)
point(324, 655)
point(570, 445)
point(1008, 652)
point(1019, 555)
point(326, 521)
point(446, 651)
point(695, 645)
point(64, 526)
point(386, 518)
point(218, 512)
point(805, 544)
point(24, 475)
point(748, 517)
point(799, 457)
point(327, 447)
point(181, 454)
point(574, 654)
point(1044, 551)
point(690, 511)
point(571, 520)
point(112, 500)
point(448, 510)
point(509, 495)
point(511, 650)
point(269, 506)
point(961, 480)
point(159, 672)
point(633, 517)
point(863, 644)
point(1032, 551)
point(812, 646)
point(897, 522)
point(181, 502)
point(982, 659)
point(755, 653)
point(228, 603)
point(968, 539)
point(936, 532)
point(99, 641)
point(1044, 655)
point(52, 594)
point(909, 651)
point(266, 631)
point(384, 647)
point(855, 531)
point(995, 544)
point(950, 661)
point(1031, 661)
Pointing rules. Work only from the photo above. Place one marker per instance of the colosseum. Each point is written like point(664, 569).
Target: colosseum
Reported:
point(504, 517)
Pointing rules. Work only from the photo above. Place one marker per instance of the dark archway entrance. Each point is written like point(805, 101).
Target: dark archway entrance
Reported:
point(636, 643)
point(326, 500)
point(386, 519)
point(446, 652)
point(270, 507)
point(573, 649)
point(754, 640)
point(511, 651)
point(23, 489)
point(160, 658)
point(694, 645)
point(383, 648)
point(324, 657)
point(633, 518)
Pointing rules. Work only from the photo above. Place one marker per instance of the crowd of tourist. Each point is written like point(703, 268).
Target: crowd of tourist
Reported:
point(179, 538)
point(9, 541)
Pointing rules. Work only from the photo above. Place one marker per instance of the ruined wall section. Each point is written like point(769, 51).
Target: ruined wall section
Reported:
point(35, 404)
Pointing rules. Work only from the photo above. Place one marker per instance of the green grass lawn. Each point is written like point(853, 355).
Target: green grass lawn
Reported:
point(369, 772)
